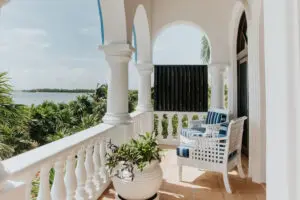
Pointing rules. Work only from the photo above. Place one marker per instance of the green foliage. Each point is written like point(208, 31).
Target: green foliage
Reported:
point(134, 154)
point(195, 117)
point(155, 126)
point(174, 125)
point(132, 100)
point(185, 121)
point(164, 124)
point(205, 51)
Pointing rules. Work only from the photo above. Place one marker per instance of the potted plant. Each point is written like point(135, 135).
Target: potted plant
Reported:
point(134, 167)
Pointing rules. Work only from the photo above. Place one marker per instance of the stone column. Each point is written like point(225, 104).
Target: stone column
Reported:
point(217, 84)
point(144, 101)
point(144, 96)
point(282, 69)
point(118, 57)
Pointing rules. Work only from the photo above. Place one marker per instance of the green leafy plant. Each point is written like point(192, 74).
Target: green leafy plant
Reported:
point(155, 121)
point(137, 153)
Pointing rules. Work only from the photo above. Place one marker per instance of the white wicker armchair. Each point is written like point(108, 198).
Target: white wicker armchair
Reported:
point(218, 153)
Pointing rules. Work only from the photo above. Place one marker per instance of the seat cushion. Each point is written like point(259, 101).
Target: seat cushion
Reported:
point(215, 118)
point(190, 132)
point(183, 151)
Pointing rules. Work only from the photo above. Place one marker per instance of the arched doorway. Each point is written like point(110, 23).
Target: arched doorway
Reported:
point(242, 78)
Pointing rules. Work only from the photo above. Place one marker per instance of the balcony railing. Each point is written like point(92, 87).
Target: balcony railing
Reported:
point(74, 167)
point(168, 125)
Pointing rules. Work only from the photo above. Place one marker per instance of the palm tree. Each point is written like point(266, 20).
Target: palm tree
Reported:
point(205, 51)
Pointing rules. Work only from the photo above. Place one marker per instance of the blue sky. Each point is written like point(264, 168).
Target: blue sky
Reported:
point(53, 44)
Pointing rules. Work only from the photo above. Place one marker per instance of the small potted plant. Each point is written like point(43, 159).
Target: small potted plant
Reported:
point(135, 168)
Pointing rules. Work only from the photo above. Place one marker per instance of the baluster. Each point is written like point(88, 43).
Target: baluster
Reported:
point(44, 190)
point(179, 123)
point(58, 190)
point(103, 161)
point(89, 165)
point(81, 176)
point(70, 178)
point(28, 183)
point(170, 135)
point(97, 166)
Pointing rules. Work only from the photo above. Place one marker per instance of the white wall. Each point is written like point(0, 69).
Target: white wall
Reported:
point(213, 16)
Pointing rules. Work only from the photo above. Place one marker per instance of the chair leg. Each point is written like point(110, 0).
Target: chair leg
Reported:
point(226, 182)
point(240, 167)
point(180, 172)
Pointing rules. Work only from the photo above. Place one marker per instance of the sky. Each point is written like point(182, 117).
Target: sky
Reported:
point(53, 44)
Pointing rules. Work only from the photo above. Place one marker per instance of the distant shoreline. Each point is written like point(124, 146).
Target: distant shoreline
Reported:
point(60, 90)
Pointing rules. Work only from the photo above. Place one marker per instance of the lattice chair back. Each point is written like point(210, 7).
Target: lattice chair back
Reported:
point(235, 134)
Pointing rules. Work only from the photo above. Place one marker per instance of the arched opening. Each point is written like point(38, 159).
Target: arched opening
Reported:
point(242, 78)
point(181, 43)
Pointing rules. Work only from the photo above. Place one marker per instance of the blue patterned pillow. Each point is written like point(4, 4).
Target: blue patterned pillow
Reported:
point(223, 129)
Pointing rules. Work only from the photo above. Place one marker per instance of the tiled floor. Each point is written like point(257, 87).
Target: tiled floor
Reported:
point(199, 185)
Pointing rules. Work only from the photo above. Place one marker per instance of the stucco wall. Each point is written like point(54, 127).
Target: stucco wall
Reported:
point(213, 16)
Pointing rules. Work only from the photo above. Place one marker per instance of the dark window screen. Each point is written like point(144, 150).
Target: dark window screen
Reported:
point(181, 88)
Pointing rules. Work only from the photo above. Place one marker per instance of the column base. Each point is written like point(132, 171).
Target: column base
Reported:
point(145, 108)
point(117, 118)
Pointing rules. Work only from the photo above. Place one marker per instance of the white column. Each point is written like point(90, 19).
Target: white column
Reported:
point(281, 20)
point(144, 96)
point(118, 57)
point(144, 101)
point(217, 84)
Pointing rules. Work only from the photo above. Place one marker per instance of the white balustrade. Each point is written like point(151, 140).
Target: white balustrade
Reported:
point(173, 139)
point(78, 162)
point(71, 181)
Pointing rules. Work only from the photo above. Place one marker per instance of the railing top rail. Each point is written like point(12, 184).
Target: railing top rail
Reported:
point(136, 114)
point(51, 152)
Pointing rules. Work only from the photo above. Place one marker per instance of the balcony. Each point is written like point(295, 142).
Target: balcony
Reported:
point(79, 172)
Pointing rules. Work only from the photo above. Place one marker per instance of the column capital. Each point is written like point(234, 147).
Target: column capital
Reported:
point(117, 52)
point(145, 68)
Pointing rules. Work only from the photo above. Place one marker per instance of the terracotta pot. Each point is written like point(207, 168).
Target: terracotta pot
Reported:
point(144, 185)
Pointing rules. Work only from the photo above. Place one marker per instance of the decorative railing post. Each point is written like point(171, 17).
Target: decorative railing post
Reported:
point(81, 175)
point(44, 190)
point(89, 165)
point(58, 190)
point(97, 166)
point(70, 178)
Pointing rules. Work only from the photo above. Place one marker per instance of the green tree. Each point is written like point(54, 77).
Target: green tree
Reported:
point(205, 51)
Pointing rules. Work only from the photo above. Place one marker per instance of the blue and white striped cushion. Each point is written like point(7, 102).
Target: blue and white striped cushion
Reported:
point(215, 118)
point(183, 151)
point(223, 129)
point(188, 132)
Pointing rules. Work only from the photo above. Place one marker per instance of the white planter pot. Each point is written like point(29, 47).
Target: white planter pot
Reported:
point(144, 185)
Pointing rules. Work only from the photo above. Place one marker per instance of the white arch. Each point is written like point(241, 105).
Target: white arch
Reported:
point(114, 20)
point(180, 22)
point(143, 40)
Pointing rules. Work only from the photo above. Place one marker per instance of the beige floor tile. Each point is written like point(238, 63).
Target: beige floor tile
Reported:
point(199, 185)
